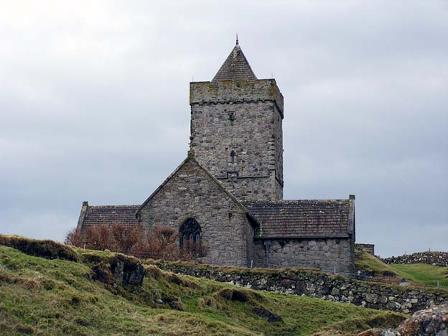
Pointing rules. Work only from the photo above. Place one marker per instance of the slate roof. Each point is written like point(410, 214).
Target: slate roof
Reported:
point(235, 67)
point(109, 214)
point(275, 220)
point(303, 218)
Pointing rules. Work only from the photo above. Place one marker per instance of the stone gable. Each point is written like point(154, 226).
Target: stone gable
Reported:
point(191, 192)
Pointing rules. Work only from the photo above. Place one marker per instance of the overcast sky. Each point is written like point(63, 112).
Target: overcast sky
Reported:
point(94, 105)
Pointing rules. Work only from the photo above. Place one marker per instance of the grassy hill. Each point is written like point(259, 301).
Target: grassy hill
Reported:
point(370, 264)
point(418, 274)
point(42, 296)
point(423, 274)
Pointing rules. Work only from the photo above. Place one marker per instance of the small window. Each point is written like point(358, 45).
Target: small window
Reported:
point(232, 156)
point(231, 117)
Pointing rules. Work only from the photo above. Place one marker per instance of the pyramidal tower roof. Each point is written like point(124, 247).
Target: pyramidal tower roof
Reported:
point(235, 67)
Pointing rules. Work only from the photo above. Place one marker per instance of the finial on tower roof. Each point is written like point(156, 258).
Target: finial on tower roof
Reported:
point(235, 67)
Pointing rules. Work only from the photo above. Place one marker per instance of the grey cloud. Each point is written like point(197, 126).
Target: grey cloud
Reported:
point(94, 105)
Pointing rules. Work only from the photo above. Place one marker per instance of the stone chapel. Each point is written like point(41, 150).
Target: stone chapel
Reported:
point(228, 192)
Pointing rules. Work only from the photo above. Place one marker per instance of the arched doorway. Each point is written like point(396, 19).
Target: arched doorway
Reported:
point(190, 236)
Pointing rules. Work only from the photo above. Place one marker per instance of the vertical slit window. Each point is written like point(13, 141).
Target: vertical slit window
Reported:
point(232, 156)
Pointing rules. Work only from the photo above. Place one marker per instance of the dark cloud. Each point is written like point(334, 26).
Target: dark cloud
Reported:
point(94, 105)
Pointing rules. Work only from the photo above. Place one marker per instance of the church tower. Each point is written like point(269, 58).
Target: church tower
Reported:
point(236, 130)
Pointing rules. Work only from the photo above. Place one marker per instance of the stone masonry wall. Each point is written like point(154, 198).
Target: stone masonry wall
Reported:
point(253, 188)
point(431, 258)
point(370, 248)
point(328, 255)
point(320, 285)
point(236, 133)
point(192, 193)
point(236, 91)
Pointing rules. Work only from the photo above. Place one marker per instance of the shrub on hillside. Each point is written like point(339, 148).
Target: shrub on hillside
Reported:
point(39, 248)
point(159, 242)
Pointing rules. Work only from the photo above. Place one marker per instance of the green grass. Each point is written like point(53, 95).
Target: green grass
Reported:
point(424, 274)
point(366, 262)
point(58, 297)
point(418, 274)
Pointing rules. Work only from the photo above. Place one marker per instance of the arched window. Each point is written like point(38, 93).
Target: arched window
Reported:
point(190, 233)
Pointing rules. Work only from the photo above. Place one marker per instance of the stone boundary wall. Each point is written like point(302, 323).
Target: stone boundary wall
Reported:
point(431, 258)
point(316, 284)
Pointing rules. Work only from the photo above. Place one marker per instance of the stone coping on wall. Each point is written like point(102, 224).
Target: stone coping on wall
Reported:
point(313, 283)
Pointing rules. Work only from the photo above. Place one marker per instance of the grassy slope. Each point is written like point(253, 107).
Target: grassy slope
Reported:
point(419, 274)
point(424, 274)
point(58, 297)
point(369, 263)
